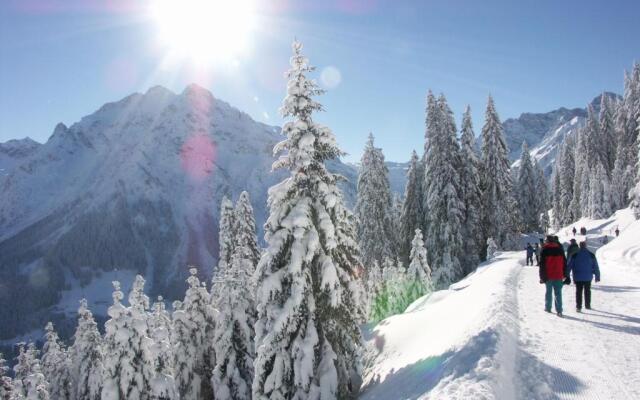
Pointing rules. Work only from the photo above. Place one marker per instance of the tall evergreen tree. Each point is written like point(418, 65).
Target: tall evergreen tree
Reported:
point(245, 230)
point(431, 126)
point(226, 241)
point(307, 335)
point(567, 214)
point(412, 216)
point(419, 271)
point(162, 383)
point(56, 365)
point(193, 326)
point(495, 180)
point(470, 185)
point(556, 192)
point(444, 198)
point(232, 375)
point(6, 383)
point(86, 356)
point(29, 382)
point(126, 364)
point(599, 196)
point(373, 207)
point(607, 135)
point(526, 192)
point(543, 202)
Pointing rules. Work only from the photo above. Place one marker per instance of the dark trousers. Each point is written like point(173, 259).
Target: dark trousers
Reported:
point(586, 288)
point(529, 259)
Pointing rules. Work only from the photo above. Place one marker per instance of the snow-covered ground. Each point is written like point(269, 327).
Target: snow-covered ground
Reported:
point(488, 336)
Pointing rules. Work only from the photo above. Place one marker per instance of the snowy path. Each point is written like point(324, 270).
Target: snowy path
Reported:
point(488, 337)
point(590, 355)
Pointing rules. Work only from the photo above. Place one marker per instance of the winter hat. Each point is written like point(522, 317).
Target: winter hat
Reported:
point(573, 241)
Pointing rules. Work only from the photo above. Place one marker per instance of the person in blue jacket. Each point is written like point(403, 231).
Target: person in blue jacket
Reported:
point(584, 266)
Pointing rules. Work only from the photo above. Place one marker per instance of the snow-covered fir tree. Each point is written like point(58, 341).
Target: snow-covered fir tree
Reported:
point(29, 382)
point(126, 365)
point(412, 216)
point(419, 272)
point(56, 365)
point(307, 336)
point(431, 125)
point(492, 248)
point(193, 326)
point(607, 135)
point(527, 192)
point(495, 180)
point(374, 207)
point(86, 356)
point(162, 383)
point(566, 213)
point(396, 220)
point(543, 202)
point(444, 198)
point(580, 163)
point(226, 241)
point(470, 185)
point(232, 375)
point(600, 205)
point(6, 383)
point(556, 193)
point(245, 229)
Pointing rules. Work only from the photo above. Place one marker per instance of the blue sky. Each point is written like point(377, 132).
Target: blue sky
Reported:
point(63, 59)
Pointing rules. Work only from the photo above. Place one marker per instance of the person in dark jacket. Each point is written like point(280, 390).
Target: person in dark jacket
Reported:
point(537, 250)
point(553, 269)
point(617, 232)
point(572, 249)
point(584, 266)
point(529, 251)
point(574, 231)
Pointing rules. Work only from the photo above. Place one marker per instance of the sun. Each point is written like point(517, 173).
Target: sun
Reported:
point(204, 31)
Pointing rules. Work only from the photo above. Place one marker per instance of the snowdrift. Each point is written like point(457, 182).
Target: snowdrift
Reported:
point(455, 343)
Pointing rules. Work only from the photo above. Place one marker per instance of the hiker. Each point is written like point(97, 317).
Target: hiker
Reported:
point(537, 249)
point(572, 249)
point(583, 231)
point(529, 250)
point(584, 266)
point(574, 231)
point(605, 239)
point(617, 232)
point(553, 269)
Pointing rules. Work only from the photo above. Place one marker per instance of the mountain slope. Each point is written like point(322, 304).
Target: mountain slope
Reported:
point(133, 188)
point(544, 132)
point(14, 151)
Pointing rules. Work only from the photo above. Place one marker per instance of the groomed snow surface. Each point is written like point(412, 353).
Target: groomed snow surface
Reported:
point(488, 337)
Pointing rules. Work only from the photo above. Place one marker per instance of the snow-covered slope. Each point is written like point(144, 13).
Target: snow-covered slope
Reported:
point(544, 132)
point(15, 151)
point(134, 187)
point(488, 337)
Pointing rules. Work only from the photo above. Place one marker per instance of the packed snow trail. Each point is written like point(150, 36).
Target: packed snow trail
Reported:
point(488, 336)
point(590, 355)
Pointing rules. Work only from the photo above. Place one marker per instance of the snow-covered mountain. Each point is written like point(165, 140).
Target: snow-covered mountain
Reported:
point(133, 188)
point(14, 151)
point(544, 132)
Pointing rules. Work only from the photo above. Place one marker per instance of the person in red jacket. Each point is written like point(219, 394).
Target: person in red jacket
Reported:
point(553, 270)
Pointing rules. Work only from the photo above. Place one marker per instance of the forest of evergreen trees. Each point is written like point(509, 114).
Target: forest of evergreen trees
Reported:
point(284, 322)
point(597, 170)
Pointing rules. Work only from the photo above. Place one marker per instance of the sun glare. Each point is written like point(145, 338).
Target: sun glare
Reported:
point(204, 31)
